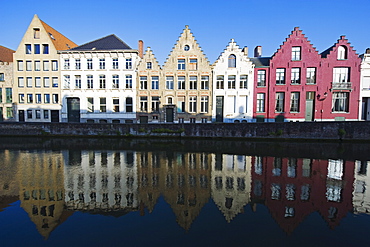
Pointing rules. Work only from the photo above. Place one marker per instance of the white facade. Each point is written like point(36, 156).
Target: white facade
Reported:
point(364, 110)
point(104, 83)
point(361, 193)
point(233, 75)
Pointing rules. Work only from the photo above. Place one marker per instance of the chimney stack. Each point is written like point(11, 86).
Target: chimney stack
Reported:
point(367, 51)
point(245, 50)
point(141, 48)
point(258, 51)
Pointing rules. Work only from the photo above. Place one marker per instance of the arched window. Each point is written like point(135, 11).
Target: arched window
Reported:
point(342, 52)
point(232, 61)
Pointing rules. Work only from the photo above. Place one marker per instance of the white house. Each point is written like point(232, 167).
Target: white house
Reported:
point(365, 87)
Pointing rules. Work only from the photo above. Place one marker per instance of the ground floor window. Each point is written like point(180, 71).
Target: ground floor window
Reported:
point(340, 102)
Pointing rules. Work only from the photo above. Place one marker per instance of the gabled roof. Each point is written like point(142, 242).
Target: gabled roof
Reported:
point(110, 42)
point(59, 40)
point(6, 54)
point(261, 61)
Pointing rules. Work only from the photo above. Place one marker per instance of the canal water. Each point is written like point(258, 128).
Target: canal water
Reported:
point(155, 192)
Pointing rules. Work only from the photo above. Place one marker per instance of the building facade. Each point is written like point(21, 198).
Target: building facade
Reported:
point(365, 87)
point(6, 84)
point(233, 86)
point(99, 82)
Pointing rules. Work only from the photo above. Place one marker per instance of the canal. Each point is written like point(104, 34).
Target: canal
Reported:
point(156, 192)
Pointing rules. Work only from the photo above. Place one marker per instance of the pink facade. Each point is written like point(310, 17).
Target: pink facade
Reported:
point(303, 85)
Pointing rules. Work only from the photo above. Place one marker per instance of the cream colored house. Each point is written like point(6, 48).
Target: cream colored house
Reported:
point(365, 87)
point(37, 73)
point(6, 84)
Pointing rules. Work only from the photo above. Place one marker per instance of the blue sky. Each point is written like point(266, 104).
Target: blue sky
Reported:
point(213, 22)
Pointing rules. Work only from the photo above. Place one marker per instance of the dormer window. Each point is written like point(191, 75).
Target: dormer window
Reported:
point(232, 61)
point(296, 53)
point(36, 33)
point(342, 52)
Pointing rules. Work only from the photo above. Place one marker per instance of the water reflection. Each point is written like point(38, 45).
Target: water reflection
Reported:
point(52, 185)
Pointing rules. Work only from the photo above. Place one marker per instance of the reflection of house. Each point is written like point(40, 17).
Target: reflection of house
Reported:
point(365, 86)
point(41, 182)
point(6, 84)
point(361, 193)
point(99, 82)
point(101, 180)
point(294, 188)
point(233, 85)
point(36, 73)
point(9, 185)
point(231, 183)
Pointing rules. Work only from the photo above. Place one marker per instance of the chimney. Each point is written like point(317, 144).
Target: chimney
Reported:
point(258, 51)
point(141, 48)
point(245, 50)
point(367, 51)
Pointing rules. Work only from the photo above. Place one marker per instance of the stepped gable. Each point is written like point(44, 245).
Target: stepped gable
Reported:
point(232, 46)
point(110, 42)
point(186, 35)
point(60, 42)
point(149, 56)
point(341, 41)
point(6, 54)
point(296, 33)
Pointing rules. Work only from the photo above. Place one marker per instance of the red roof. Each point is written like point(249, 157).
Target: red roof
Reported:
point(6, 55)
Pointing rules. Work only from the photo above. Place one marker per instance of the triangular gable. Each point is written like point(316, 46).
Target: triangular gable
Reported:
point(59, 40)
point(110, 42)
point(6, 54)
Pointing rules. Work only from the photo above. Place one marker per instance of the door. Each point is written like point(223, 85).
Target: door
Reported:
point(365, 115)
point(143, 119)
point(219, 108)
point(54, 116)
point(73, 110)
point(21, 115)
point(169, 115)
point(310, 106)
point(1, 114)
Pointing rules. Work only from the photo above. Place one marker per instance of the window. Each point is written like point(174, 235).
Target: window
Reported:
point(29, 98)
point(55, 82)
point(296, 53)
point(231, 82)
point(20, 65)
point(29, 81)
point(9, 112)
point(232, 61)
point(46, 114)
point(103, 104)
point(89, 63)
point(67, 81)
point(341, 75)
point(181, 82)
point(128, 81)
point(28, 65)
point(90, 82)
point(311, 76)
point(280, 76)
point(37, 81)
point(155, 104)
point(366, 83)
point(37, 66)
point(54, 65)
point(342, 53)
point(193, 64)
point(204, 83)
point(36, 33)
point(46, 82)
point(155, 82)
point(45, 49)
point(37, 48)
point(2, 78)
point(261, 78)
point(204, 104)
point(21, 98)
point(340, 102)
point(260, 102)
point(296, 76)
point(169, 82)
point(29, 114)
point(143, 82)
point(115, 81)
point(47, 98)
point(77, 81)
point(181, 104)
point(143, 103)
point(169, 100)
point(28, 49)
point(243, 82)
point(1, 99)
point(220, 82)
point(38, 98)
point(115, 105)
point(149, 65)
point(192, 104)
point(181, 64)
point(128, 63)
point(102, 63)
point(55, 98)
point(115, 63)
point(90, 104)
point(20, 82)
point(129, 107)
point(294, 102)
point(77, 63)
point(102, 83)
point(193, 83)
point(230, 104)
point(66, 64)
point(46, 65)
point(279, 102)
point(8, 95)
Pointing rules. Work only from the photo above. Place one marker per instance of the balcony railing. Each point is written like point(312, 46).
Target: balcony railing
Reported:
point(341, 85)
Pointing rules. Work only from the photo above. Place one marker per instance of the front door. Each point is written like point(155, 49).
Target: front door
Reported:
point(21, 115)
point(73, 110)
point(310, 106)
point(219, 109)
point(169, 115)
point(365, 115)
point(55, 116)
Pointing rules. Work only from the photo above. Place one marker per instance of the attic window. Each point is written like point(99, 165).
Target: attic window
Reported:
point(68, 46)
point(51, 36)
point(36, 33)
point(342, 52)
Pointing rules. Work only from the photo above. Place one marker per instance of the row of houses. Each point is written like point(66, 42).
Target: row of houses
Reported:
point(49, 78)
